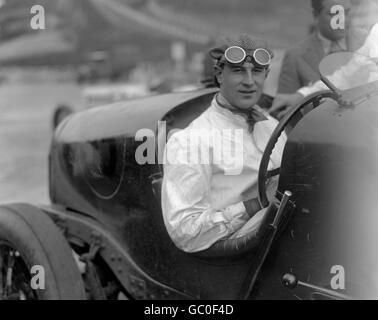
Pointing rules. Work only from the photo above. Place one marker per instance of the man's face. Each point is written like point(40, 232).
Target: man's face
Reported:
point(324, 19)
point(241, 84)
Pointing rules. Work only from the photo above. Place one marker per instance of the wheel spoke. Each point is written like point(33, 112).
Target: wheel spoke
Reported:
point(14, 276)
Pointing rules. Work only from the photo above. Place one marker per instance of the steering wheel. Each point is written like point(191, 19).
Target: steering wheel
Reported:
point(264, 174)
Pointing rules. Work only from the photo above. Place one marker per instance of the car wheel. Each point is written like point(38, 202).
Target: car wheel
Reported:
point(36, 261)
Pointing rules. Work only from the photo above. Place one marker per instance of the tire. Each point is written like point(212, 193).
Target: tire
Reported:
point(29, 237)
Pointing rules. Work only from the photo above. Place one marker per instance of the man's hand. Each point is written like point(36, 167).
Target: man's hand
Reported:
point(283, 103)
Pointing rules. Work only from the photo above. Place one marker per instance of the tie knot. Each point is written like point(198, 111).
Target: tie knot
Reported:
point(251, 115)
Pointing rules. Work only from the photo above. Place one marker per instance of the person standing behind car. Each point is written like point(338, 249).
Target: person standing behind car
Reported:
point(300, 63)
point(340, 78)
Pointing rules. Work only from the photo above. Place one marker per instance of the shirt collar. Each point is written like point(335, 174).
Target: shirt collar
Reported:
point(327, 44)
point(250, 116)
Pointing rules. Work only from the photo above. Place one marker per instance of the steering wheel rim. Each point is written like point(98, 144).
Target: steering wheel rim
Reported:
point(263, 169)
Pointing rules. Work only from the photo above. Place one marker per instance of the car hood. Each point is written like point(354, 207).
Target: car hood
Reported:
point(122, 118)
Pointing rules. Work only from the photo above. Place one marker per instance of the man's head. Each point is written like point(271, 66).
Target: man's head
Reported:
point(323, 17)
point(242, 65)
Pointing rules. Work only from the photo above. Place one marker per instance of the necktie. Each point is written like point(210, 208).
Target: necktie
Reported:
point(251, 114)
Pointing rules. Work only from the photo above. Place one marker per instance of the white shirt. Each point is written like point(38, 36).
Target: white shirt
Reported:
point(342, 77)
point(202, 201)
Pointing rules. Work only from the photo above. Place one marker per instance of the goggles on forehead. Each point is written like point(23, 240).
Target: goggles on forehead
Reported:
point(236, 54)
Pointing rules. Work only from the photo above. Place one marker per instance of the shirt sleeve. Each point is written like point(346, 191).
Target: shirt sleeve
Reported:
point(315, 87)
point(191, 221)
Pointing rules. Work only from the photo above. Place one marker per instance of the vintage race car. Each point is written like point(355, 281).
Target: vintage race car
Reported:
point(103, 234)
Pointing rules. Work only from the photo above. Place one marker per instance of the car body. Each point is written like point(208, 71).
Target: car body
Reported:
point(318, 243)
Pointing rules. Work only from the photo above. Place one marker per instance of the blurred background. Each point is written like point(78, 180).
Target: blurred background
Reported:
point(97, 51)
point(134, 39)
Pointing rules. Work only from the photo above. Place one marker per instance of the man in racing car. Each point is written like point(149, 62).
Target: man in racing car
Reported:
point(215, 197)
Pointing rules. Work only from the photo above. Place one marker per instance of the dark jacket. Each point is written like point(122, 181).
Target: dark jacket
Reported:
point(300, 65)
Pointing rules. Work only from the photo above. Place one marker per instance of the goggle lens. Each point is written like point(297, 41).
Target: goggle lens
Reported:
point(262, 56)
point(237, 54)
